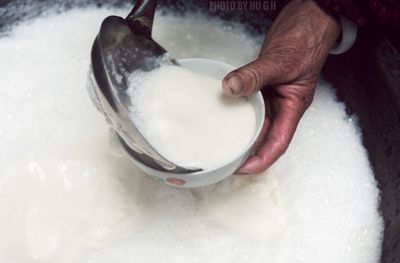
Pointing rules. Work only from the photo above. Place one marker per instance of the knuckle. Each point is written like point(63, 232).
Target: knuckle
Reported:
point(282, 144)
point(285, 61)
point(252, 78)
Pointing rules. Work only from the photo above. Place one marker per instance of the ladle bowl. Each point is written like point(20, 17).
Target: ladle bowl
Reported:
point(121, 47)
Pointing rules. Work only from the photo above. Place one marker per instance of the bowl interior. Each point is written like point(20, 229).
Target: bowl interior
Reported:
point(218, 70)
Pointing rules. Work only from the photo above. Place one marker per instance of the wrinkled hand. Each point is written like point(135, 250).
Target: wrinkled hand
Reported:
point(288, 66)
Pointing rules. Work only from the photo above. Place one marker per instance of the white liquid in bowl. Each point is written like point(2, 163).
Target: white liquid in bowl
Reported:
point(187, 118)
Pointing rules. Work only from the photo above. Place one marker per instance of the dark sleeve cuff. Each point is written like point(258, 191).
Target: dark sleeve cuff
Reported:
point(365, 11)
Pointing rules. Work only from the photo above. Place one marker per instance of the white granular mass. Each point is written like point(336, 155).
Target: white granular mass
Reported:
point(65, 198)
point(186, 117)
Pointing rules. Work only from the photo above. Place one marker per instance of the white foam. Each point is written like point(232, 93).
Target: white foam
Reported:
point(65, 198)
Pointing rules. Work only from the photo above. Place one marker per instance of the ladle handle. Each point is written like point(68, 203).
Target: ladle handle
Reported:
point(142, 15)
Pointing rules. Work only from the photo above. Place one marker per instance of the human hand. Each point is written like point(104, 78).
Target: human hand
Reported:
point(291, 58)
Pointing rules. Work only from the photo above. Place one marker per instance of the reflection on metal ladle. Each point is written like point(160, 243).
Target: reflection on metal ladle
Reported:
point(121, 47)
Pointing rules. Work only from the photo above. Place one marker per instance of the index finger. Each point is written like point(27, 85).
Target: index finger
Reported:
point(282, 129)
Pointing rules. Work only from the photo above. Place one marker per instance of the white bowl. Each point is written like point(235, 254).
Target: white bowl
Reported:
point(217, 70)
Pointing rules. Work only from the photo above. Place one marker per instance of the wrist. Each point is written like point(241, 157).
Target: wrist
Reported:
point(328, 22)
point(341, 33)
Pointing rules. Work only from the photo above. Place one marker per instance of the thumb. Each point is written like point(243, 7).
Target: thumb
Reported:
point(250, 78)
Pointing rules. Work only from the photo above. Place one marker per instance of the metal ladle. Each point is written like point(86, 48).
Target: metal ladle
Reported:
point(121, 47)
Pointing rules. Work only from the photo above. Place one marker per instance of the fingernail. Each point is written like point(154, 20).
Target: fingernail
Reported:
point(242, 172)
point(176, 181)
point(235, 84)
